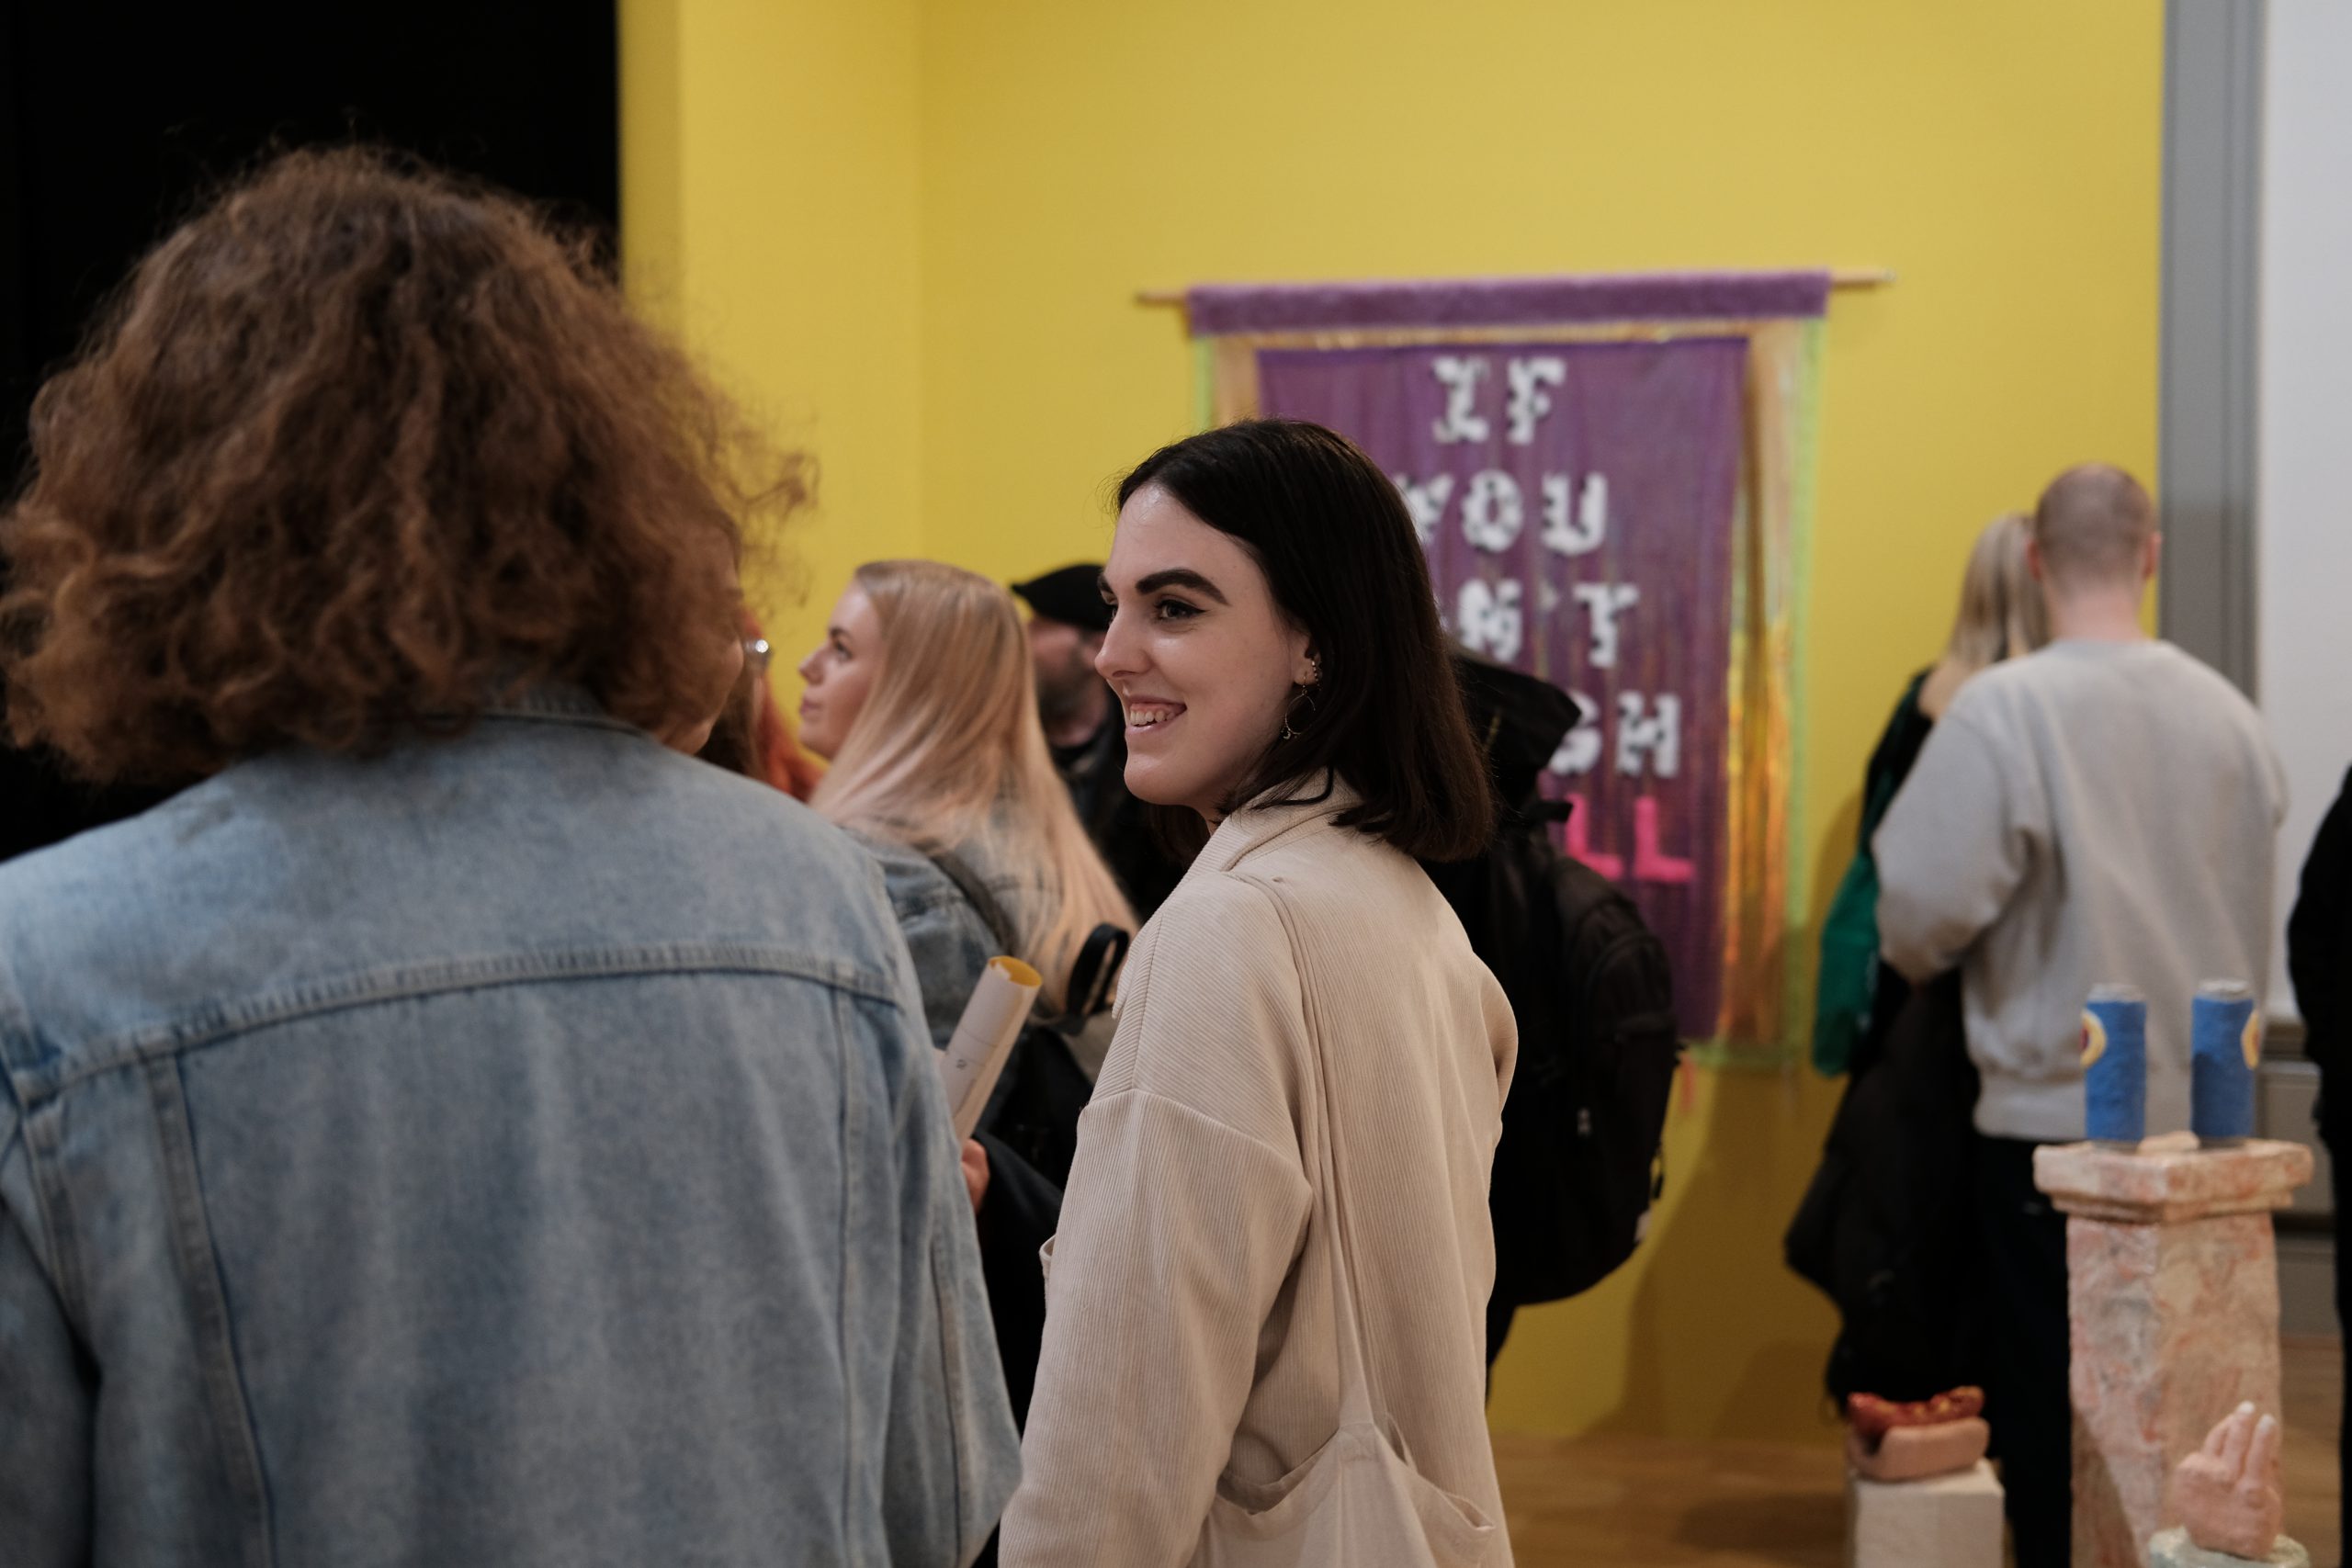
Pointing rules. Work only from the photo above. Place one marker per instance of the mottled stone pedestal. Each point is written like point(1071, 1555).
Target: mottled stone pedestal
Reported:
point(1944, 1522)
point(2173, 1549)
point(2173, 1293)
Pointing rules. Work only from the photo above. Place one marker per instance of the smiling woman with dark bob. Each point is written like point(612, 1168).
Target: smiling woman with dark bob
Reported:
point(459, 1127)
point(1266, 1304)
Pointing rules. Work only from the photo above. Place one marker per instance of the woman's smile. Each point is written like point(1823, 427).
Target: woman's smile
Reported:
point(1147, 715)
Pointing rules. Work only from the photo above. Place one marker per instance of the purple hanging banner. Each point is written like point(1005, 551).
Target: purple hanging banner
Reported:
point(1577, 502)
point(1219, 307)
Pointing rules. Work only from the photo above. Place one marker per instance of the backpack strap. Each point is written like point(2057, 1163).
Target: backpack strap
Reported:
point(984, 903)
point(1091, 973)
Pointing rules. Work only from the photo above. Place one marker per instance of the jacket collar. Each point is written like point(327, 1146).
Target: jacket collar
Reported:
point(553, 700)
point(1270, 818)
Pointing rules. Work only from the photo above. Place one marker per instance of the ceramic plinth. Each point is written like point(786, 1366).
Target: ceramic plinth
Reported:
point(2172, 1298)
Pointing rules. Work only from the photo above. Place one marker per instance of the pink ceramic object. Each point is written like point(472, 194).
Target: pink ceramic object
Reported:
point(2173, 1288)
point(2226, 1494)
point(1873, 1417)
point(1914, 1453)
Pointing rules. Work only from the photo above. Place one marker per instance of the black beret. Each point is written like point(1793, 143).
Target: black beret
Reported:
point(1074, 595)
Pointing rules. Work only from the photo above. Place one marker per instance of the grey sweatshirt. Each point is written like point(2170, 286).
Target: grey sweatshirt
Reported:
point(2096, 812)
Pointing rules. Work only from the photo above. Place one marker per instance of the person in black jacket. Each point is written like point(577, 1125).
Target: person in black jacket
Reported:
point(1886, 1228)
point(1087, 733)
point(2319, 961)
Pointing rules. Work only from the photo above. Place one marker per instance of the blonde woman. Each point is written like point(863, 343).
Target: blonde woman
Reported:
point(921, 697)
point(2001, 617)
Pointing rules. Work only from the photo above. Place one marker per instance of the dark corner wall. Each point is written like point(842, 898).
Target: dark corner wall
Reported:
point(115, 119)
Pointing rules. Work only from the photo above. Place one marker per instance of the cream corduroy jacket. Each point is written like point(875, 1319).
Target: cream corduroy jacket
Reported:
point(1189, 1327)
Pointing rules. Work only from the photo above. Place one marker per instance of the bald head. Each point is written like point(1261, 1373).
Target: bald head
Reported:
point(2092, 527)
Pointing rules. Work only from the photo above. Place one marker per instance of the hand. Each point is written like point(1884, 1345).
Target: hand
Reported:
point(976, 1178)
point(2227, 1493)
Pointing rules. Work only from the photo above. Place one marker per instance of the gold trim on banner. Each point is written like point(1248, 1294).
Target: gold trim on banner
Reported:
point(1761, 696)
point(1840, 277)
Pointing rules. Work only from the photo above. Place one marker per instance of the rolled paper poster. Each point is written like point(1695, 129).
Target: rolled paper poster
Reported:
point(2224, 1047)
point(2115, 1065)
point(975, 1053)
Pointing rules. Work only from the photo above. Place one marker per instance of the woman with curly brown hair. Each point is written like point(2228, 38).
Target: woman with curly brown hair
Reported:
point(460, 1128)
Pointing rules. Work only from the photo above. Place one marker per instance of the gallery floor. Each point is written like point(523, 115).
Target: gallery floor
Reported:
point(1595, 1502)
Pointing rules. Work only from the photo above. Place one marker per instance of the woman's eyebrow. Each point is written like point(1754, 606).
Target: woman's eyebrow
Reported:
point(1182, 577)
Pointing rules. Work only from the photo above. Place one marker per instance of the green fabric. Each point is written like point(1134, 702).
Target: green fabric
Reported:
point(1841, 999)
point(1847, 983)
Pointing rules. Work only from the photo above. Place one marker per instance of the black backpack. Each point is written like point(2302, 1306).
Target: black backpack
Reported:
point(1580, 1162)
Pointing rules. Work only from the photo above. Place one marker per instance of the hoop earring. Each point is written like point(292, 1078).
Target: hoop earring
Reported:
point(1305, 694)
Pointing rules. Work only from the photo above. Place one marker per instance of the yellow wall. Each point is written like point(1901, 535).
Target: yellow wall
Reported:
point(984, 214)
point(770, 179)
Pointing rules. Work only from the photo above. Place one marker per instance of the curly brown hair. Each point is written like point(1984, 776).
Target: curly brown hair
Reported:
point(355, 451)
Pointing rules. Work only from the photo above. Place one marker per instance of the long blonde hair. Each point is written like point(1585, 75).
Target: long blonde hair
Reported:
point(948, 751)
point(2001, 613)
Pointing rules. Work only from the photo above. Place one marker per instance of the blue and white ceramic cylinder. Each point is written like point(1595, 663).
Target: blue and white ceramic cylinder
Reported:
point(2115, 1065)
point(2224, 1048)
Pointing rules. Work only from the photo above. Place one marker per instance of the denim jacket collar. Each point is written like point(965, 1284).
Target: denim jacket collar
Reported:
point(554, 700)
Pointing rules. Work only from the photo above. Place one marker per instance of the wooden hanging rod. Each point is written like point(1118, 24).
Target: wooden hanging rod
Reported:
point(1844, 277)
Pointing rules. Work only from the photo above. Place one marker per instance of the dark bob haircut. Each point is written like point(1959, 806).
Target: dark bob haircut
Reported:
point(356, 450)
point(1343, 561)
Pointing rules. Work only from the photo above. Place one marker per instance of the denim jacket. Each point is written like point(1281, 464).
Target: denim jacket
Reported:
point(949, 941)
point(521, 1148)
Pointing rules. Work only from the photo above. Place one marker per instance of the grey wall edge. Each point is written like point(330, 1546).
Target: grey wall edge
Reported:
point(2210, 329)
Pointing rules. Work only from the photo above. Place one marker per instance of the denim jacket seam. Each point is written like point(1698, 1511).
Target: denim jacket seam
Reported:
point(556, 701)
point(22, 1051)
point(206, 1294)
point(217, 1022)
point(56, 1221)
point(596, 721)
point(960, 1435)
point(844, 1030)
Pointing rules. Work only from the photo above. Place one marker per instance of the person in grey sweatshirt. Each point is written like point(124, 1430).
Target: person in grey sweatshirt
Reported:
point(2100, 811)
